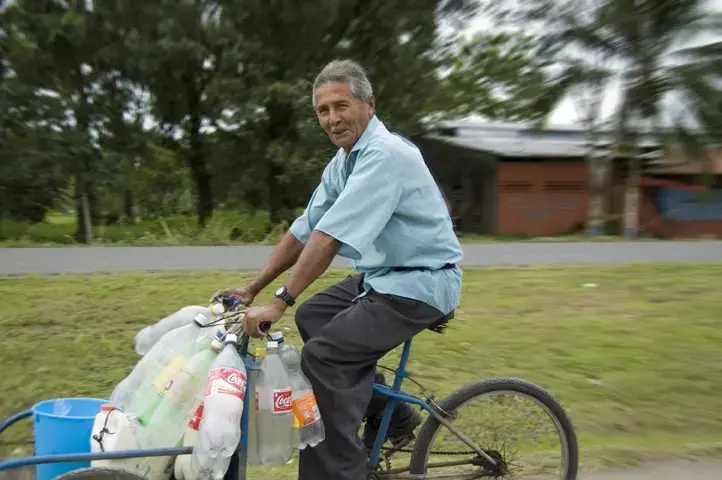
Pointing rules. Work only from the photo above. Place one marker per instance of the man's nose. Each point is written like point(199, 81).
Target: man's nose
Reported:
point(333, 117)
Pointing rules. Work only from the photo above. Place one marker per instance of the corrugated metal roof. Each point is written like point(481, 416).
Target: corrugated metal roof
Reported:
point(519, 140)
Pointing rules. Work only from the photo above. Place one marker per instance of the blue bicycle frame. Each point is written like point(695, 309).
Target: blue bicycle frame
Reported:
point(395, 396)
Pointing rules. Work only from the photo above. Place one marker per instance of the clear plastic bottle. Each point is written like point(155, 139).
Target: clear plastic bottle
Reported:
point(274, 419)
point(182, 468)
point(252, 405)
point(308, 426)
point(165, 424)
point(138, 392)
point(149, 336)
point(220, 430)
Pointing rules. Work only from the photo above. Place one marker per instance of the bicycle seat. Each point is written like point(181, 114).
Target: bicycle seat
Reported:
point(439, 325)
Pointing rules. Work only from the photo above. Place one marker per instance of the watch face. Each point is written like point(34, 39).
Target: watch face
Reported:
point(279, 291)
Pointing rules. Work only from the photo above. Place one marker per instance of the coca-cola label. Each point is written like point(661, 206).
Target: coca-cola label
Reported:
point(282, 400)
point(226, 381)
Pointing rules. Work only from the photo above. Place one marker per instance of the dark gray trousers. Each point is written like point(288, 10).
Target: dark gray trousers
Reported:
point(343, 342)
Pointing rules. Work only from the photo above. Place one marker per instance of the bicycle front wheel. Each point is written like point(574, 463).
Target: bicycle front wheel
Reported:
point(522, 431)
point(97, 473)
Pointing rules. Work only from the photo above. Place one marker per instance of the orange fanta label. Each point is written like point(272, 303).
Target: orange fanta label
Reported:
point(305, 411)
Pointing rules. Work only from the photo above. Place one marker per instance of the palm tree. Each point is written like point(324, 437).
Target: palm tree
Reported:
point(668, 91)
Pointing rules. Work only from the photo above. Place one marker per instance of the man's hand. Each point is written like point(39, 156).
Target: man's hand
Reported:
point(255, 316)
point(245, 294)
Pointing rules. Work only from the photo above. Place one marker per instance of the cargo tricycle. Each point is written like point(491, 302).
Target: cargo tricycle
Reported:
point(456, 441)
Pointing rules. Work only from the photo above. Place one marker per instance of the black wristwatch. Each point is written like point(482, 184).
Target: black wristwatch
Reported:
point(282, 293)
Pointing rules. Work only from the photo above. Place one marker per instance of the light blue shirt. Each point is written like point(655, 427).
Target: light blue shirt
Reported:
point(382, 204)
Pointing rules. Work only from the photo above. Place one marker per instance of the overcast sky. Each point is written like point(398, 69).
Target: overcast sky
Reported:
point(566, 113)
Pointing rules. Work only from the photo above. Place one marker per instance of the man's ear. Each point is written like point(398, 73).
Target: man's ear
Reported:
point(372, 106)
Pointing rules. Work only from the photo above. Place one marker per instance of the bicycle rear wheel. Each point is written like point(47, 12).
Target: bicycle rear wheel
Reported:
point(438, 450)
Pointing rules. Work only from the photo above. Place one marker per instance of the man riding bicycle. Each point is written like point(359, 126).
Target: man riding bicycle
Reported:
point(377, 204)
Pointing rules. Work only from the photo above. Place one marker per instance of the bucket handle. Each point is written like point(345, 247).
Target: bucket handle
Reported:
point(15, 418)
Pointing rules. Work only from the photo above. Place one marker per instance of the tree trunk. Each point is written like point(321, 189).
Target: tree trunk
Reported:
point(599, 170)
point(198, 166)
point(128, 205)
point(280, 128)
point(199, 170)
point(83, 209)
point(631, 199)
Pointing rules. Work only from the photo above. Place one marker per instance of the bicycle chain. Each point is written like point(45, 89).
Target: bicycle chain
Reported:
point(437, 452)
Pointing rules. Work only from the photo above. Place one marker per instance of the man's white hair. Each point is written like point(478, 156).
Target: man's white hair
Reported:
point(346, 71)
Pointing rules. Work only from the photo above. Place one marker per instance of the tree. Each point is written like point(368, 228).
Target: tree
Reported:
point(497, 75)
point(57, 52)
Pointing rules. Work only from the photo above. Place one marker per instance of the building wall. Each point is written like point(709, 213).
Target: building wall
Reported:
point(541, 198)
point(468, 180)
point(668, 212)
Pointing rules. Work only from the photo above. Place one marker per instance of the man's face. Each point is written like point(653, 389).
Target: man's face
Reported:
point(342, 116)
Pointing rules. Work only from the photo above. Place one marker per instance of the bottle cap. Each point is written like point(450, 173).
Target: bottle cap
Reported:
point(272, 344)
point(217, 309)
point(200, 320)
point(107, 407)
point(216, 345)
point(231, 338)
point(277, 337)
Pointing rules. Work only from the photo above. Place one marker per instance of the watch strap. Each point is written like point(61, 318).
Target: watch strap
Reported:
point(283, 294)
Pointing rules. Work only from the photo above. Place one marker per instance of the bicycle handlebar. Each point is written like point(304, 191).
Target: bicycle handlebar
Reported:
point(234, 306)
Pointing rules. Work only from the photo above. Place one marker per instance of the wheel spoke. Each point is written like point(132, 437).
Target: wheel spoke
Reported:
point(521, 430)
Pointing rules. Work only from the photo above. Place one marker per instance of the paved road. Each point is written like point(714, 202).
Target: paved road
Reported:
point(17, 261)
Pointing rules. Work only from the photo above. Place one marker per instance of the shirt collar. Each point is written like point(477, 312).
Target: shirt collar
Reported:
point(365, 137)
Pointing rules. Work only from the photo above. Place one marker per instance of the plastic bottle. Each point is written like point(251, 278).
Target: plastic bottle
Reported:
point(139, 390)
point(308, 426)
point(149, 336)
point(165, 424)
point(182, 469)
point(252, 405)
point(220, 429)
point(274, 418)
point(111, 433)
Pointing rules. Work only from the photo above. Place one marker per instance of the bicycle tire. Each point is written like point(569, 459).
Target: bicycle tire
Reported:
point(425, 437)
point(104, 473)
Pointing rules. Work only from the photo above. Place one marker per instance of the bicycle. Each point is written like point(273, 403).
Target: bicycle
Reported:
point(485, 462)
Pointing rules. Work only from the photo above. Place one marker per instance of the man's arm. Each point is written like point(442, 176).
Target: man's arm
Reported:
point(284, 257)
point(355, 219)
point(313, 261)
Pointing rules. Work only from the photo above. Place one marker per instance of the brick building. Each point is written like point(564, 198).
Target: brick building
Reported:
point(504, 178)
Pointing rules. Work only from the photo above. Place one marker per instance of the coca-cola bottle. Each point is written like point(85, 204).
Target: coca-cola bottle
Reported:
point(220, 430)
point(274, 418)
point(307, 422)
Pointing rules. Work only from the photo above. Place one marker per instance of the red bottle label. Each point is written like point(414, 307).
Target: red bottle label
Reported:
point(197, 416)
point(282, 400)
point(226, 381)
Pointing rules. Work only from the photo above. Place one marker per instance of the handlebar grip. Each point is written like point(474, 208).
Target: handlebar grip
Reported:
point(265, 326)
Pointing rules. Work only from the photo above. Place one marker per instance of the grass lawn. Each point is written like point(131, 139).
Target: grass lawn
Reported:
point(635, 358)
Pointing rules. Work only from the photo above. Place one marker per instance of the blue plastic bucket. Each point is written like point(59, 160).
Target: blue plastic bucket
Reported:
point(63, 425)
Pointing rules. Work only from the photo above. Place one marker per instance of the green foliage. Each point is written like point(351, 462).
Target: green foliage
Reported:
point(157, 109)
